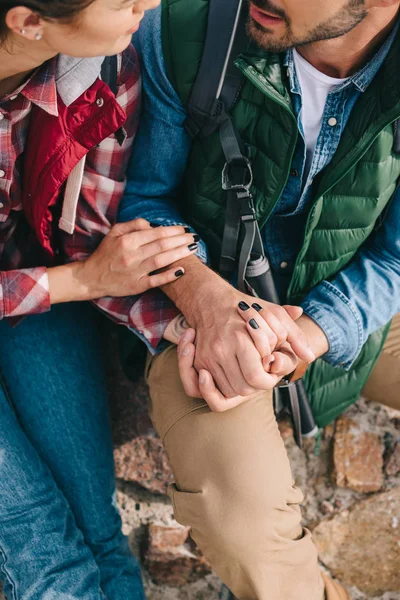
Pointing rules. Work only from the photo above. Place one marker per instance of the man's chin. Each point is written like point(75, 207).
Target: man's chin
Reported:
point(266, 38)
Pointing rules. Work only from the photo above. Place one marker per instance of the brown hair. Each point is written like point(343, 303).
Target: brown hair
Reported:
point(64, 10)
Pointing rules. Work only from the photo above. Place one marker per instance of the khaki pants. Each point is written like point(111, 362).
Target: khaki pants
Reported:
point(234, 488)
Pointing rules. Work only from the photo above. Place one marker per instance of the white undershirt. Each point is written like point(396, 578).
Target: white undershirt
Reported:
point(315, 88)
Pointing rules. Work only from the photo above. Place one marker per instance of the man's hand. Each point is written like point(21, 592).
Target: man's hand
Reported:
point(277, 365)
point(224, 346)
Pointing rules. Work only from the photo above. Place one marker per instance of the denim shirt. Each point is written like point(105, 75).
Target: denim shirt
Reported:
point(361, 298)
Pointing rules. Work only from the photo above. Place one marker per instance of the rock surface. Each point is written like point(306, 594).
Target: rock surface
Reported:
point(143, 460)
point(170, 557)
point(393, 465)
point(361, 546)
point(358, 457)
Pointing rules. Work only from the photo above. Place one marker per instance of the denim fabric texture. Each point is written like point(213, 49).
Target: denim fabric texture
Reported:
point(60, 529)
point(360, 299)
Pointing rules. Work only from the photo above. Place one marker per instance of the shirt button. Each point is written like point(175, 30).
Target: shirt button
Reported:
point(2, 173)
point(100, 102)
point(1, 116)
point(294, 173)
point(284, 265)
point(1, 204)
point(332, 122)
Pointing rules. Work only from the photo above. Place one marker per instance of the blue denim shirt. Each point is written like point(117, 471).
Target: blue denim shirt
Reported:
point(362, 297)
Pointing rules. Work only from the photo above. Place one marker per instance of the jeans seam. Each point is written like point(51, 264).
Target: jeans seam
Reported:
point(7, 576)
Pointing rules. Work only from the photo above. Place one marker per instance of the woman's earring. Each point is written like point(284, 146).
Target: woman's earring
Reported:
point(23, 32)
point(38, 37)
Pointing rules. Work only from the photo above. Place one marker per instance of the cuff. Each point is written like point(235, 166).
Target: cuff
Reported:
point(24, 292)
point(335, 315)
point(201, 253)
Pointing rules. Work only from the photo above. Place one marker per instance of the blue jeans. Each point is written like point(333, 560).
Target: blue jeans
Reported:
point(60, 529)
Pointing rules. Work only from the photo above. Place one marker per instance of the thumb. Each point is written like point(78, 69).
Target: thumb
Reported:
point(294, 312)
point(130, 227)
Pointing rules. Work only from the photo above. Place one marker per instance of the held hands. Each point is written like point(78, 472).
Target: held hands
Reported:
point(277, 364)
point(234, 353)
point(128, 260)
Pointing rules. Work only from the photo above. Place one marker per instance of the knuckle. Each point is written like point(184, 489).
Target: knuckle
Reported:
point(162, 244)
point(158, 262)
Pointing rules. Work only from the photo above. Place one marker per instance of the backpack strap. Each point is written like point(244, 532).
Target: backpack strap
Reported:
point(110, 69)
point(218, 82)
point(396, 144)
point(109, 72)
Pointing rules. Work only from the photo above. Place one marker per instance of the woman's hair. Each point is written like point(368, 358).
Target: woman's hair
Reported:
point(50, 10)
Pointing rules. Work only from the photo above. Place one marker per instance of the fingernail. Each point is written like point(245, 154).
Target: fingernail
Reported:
point(257, 307)
point(193, 247)
point(186, 351)
point(154, 225)
point(187, 230)
point(196, 238)
point(244, 306)
point(179, 273)
point(253, 323)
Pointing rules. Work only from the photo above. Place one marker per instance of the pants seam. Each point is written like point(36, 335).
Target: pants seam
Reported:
point(178, 417)
point(7, 576)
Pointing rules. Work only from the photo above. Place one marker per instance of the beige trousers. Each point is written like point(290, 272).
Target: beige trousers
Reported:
point(234, 488)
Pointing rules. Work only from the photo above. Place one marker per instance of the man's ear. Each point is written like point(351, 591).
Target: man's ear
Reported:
point(22, 21)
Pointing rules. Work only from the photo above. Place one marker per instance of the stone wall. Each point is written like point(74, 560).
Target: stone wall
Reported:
point(352, 499)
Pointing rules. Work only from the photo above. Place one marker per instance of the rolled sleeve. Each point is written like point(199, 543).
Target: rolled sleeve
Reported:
point(24, 292)
point(335, 315)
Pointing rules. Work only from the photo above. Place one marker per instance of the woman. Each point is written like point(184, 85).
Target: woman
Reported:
point(64, 143)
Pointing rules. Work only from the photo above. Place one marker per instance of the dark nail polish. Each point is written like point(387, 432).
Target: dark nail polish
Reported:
point(196, 238)
point(257, 307)
point(179, 273)
point(193, 246)
point(244, 306)
point(187, 230)
point(254, 324)
point(155, 225)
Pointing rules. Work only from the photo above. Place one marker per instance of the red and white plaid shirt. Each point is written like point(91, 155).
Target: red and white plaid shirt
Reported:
point(24, 287)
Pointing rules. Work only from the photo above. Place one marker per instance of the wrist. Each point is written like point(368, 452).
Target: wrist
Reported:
point(317, 340)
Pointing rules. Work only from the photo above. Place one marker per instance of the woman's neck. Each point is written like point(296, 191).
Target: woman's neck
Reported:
point(17, 61)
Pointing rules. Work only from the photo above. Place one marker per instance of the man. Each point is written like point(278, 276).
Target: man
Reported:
point(316, 111)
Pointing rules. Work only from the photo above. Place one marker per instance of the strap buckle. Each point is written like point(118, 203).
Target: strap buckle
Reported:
point(244, 175)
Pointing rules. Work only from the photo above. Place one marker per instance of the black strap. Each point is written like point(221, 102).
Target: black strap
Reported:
point(109, 73)
point(218, 82)
point(396, 145)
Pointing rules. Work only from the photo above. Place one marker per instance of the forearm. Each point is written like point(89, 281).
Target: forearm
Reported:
point(317, 340)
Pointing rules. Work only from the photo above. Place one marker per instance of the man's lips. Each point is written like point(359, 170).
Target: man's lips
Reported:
point(263, 18)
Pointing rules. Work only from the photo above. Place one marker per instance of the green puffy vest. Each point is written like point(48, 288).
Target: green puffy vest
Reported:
point(349, 197)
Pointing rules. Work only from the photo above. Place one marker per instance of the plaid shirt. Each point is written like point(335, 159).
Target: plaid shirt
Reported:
point(24, 286)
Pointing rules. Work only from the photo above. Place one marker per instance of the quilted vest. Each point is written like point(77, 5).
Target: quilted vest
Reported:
point(55, 146)
point(349, 197)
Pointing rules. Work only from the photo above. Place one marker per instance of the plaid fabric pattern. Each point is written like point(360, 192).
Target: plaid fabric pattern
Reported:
point(103, 186)
point(24, 287)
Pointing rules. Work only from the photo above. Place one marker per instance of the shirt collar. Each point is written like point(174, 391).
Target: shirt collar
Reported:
point(40, 89)
point(362, 79)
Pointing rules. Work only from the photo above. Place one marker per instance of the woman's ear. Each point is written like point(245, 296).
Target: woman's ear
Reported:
point(22, 21)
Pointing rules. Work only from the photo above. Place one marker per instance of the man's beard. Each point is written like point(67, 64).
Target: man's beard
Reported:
point(336, 26)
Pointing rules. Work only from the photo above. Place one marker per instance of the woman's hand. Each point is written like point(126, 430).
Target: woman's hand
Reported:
point(280, 363)
point(131, 259)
